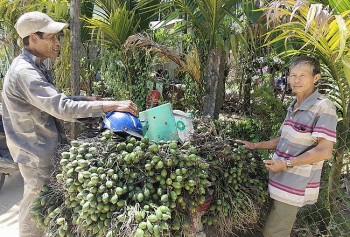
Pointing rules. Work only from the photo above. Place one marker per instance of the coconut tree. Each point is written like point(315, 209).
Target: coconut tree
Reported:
point(323, 32)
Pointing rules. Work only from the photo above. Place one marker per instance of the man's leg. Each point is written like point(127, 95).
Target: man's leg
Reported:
point(280, 221)
point(34, 180)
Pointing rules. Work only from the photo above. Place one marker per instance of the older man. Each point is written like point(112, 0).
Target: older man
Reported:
point(306, 140)
point(31, 104)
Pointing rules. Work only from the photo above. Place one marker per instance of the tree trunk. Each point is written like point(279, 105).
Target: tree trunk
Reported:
point(90, 75)
point(247, 92)
point(75, 54)
point(337, 162)
point(215, 84)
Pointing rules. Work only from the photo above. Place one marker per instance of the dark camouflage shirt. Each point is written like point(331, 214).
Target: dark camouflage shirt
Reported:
point(30, 105)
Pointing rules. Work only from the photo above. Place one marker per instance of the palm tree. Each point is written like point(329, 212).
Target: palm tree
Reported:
point(206, 18)
point(315, 29)
point(117, 20)
point(210, 21)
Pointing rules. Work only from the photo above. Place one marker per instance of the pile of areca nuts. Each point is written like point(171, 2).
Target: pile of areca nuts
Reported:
point(115, 186)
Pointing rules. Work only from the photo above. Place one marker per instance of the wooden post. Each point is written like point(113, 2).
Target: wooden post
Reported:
point(196, 228)
point(75, 28)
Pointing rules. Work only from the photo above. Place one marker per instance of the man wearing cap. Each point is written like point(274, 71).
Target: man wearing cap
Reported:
point(31, 104)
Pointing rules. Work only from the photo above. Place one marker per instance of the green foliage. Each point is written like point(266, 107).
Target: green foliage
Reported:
point(250, 129)
point(126, 80)
point(193, 97)
point(125, 73)
point(171, 38)
point(113, 74)
point(99, 89)
point(61, 70)
point(116, 27)
point(239, 179)
point(117, 20)
point(193, 90)
point(268, 109)
point(339, 5)
point(4, 60)
point(208, 21)
point(206, 17)
point(139, 63)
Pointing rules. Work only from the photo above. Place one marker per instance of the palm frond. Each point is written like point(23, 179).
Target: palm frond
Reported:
point(340, 5)
point(346, 66)
point(189, 65)
point(116, 28)
point(314, 25)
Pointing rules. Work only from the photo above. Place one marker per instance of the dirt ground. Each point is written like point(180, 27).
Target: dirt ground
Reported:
point(10, 198)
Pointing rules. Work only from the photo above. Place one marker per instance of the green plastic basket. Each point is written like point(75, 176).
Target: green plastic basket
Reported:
point(159, 123)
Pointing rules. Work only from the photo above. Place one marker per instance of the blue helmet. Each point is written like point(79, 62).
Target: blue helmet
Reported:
point(123, 122)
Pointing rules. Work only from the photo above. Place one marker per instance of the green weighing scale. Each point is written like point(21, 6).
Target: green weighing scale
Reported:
point(161, 123)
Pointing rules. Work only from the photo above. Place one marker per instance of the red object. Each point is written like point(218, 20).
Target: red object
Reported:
point(205, 206)
point(152, 98)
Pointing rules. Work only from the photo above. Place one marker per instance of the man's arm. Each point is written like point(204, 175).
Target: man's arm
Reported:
point(265, 145)
point(43, 95)
point(323, 151)
point(121, 106)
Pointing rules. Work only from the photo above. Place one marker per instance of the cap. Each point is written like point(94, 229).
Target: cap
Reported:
point(32, 22)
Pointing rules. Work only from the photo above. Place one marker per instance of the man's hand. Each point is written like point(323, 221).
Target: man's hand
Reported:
point(126, 106)
point(121, 106)
point(265, 145)
point(246, 144)
point(275, 165)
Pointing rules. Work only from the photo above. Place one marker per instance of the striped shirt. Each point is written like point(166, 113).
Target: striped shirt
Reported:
point(315, 118)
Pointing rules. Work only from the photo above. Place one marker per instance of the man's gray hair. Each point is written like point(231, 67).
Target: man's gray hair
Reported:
point(304, 59)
